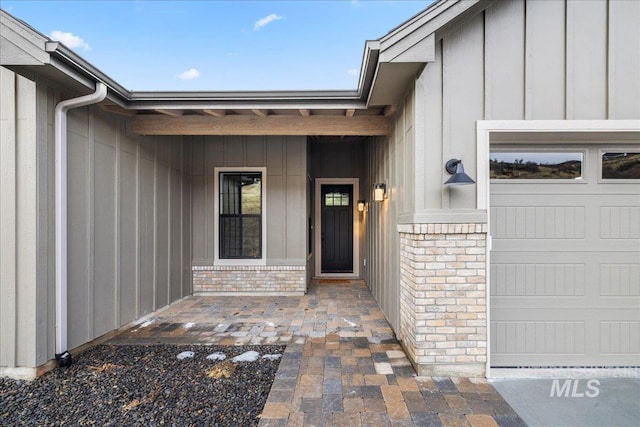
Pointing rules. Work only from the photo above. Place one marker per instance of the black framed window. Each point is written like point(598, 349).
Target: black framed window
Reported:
point(240, 222)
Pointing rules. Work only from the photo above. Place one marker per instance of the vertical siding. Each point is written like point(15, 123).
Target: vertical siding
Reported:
point(386, 161)
point(624, 59)
point(428, 135)
point(128, 235)
point(504, 61)
point(285, 160)
point(545, 58)
point(19, 299)
point(587, 59)
point(463, 100)
point(522, 59)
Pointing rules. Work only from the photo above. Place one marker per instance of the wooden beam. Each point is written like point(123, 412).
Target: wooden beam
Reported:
point(390, 110)
point(350, 112)
point(174, 113)
point(152, 124)
point(215, 113)
point(260, 113)
point(305, 113)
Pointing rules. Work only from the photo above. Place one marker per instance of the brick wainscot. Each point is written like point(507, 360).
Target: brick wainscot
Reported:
point(443, 297)
point(249, 280)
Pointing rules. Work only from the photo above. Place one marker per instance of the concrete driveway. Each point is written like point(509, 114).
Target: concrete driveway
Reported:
point(611, 402)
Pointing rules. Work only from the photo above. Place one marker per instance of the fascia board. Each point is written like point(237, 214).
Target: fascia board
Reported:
point(20, 44)
point(411, 34)
point(240, 96)
point(422, 50)
point(370, 60)
point(307, 104)
point(67, 56)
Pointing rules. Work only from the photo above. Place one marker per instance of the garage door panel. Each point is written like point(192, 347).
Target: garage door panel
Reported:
point(535, 222)
point(565, 271)
point(508, 360)
point(561, 313)
point(537, 279)
point(562, 304)
point(619, 337)
point(619, 222)
point(620, 279)
point(565, 342)
point(539, 337)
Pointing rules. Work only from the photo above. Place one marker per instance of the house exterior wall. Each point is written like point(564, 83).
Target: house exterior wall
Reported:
point(521, 60)
point(23, 300)
point(340, 159)
point(129, 222)
point(516, 60)
point(285, 159)
point(389, 161)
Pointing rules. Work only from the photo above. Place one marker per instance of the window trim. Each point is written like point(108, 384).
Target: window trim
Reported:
point(216, 214)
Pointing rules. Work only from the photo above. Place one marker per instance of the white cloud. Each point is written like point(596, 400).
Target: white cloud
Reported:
point(353, 72)
point(266, 20)
point(70, 40)
point(190, 74)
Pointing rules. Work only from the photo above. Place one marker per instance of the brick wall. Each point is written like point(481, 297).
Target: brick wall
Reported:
point(256, 280)
point(443, 295)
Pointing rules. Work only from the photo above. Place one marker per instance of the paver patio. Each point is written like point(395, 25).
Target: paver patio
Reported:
point(342, 365)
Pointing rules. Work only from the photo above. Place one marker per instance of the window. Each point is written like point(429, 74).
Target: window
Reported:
point(336, 199)
point(535, 165)
point(619, 165)
point(240, 215)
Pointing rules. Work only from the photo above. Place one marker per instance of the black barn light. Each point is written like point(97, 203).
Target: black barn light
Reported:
point(458, 177)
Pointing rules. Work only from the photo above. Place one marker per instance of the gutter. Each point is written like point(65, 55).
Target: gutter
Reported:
point(62, 355)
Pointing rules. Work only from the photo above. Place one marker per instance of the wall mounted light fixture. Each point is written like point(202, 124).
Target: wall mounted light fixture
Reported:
point(458, 176)
point(379, 191)
point(361, 204)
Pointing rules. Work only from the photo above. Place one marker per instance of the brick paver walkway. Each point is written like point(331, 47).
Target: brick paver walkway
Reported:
point(342, 365)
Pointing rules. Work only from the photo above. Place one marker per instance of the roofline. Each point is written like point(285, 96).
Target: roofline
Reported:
point(73, 65)
point(131, 99)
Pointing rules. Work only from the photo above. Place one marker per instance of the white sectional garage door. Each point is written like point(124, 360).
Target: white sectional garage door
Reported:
point(565, 263)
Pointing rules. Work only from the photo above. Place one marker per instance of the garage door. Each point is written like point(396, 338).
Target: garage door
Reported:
point(565, 264)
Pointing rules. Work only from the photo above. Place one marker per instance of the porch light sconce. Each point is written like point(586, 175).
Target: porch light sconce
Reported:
point(379, 192)
point(458, 177)
point(361, 204)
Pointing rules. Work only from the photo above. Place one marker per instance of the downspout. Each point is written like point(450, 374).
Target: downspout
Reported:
point(62, 355)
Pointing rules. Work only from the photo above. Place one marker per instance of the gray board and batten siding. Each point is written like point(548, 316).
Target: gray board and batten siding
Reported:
point(389, 160)
point(129, 234)
point(129, 219)
point(24, 308)
point(520, 60)
point(285, 159)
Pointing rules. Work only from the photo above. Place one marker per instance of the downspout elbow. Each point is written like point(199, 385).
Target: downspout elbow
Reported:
point(60, 138)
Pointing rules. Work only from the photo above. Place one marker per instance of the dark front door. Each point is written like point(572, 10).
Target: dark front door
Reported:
point(337, 228)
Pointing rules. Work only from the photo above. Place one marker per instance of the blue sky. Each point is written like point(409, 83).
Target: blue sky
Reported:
point(220, 45)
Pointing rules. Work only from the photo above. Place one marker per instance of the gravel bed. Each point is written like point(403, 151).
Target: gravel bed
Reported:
point(118, 385)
